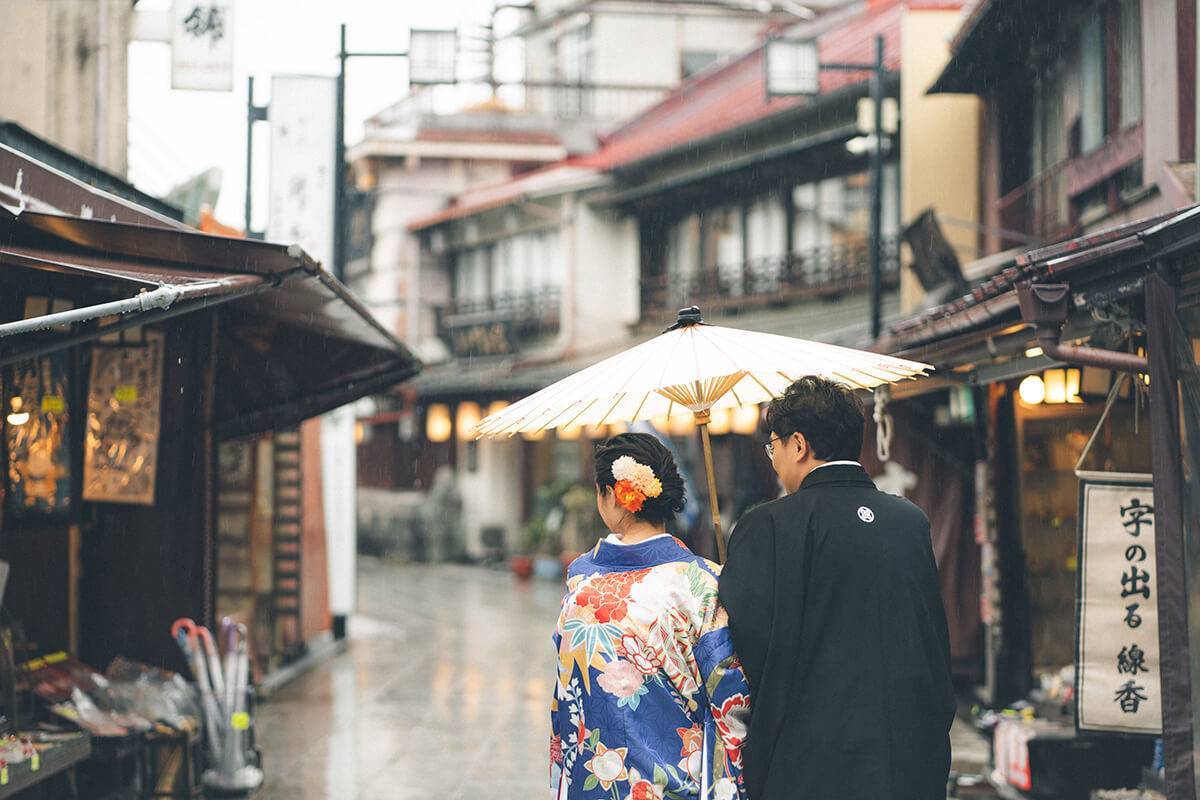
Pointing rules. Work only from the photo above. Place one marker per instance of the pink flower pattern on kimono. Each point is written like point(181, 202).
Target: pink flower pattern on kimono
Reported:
point(620, 678)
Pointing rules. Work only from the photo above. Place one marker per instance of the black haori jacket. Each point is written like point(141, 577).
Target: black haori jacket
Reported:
point(837, 617)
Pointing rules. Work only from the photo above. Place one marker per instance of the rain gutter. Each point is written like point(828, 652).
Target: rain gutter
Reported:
point(162, 297)
point(1045, 306)
point(147, 317)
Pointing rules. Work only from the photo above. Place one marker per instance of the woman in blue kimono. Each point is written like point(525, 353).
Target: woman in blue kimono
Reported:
point(650, 700)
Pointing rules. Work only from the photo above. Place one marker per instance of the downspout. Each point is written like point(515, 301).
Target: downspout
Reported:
point(1044, 305)
point(162, 297)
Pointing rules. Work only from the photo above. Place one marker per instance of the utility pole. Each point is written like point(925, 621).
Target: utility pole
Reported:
point(876, 233)
point(339, 156)
point(253, 114)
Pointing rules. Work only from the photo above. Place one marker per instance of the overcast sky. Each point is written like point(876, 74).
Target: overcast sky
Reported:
point(174, 135)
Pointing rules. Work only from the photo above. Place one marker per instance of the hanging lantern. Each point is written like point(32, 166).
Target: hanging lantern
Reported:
point(721, 421)
point(466, 419)
point(437, 423)
point(745, 419)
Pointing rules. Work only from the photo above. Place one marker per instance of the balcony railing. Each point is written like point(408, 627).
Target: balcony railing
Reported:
point(535, 311)
point(820, 272)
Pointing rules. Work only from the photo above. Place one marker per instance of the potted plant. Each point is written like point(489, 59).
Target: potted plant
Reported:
point(533, 535)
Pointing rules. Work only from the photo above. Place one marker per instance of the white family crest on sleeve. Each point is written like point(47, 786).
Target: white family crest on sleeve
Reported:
point(866, 514)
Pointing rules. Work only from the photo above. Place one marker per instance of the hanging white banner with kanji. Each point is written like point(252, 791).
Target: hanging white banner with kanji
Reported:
point(202, 45)
point(1118, 685)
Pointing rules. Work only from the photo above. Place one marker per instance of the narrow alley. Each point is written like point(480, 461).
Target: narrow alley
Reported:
point(442, 693)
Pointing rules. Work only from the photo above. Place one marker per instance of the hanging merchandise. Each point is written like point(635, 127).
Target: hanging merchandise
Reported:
point(121, 444)
point(36, 422)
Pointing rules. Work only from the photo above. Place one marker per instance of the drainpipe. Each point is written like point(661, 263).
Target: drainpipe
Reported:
point(1044, 305)
point(162, 297)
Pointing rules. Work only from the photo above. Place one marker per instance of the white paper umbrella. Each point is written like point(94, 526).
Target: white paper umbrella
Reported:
point(693, 367)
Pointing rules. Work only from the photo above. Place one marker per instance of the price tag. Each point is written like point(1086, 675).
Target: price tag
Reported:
point(35, 762)
point(3, 776)
point(126, 394)
point(52, 403)
point(241, 721)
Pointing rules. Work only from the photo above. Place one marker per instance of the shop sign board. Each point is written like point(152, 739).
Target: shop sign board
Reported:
point(37, 417)
point(123, 417)
point(303, 146)
point(1118, 682)
point(202, 45)
point(481, 339)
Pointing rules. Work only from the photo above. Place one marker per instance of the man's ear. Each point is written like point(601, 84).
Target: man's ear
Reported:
point(801, 445)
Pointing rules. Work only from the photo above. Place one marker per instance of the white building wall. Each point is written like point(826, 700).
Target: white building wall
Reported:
point(50, 53)
point(1160, 87)
point(492, 493)
point(605, 277)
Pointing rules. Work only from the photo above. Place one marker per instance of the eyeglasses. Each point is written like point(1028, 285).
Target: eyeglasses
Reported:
point(770, 445)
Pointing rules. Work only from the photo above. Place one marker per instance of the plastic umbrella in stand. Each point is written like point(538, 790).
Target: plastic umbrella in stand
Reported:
point(233, 772)
point(184, 632)
point(693, 368)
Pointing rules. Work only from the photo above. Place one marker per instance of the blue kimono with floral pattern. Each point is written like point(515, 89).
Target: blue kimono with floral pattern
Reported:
point(650, 700)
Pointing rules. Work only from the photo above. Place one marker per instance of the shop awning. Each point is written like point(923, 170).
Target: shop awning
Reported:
point(291, 341)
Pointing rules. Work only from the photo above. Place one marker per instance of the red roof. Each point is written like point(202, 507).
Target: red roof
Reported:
point(734, 95)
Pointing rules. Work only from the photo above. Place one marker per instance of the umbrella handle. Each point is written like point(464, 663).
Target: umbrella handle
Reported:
point(712, 486)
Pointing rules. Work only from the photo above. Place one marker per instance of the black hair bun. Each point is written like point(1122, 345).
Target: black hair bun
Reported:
point(644, 449)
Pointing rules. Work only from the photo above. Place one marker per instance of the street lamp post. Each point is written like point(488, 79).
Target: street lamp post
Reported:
point(339, 156)
point(801, 76)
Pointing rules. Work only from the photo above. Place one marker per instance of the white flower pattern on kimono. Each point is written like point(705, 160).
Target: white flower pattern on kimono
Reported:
point(659, 590)
point(725, 790)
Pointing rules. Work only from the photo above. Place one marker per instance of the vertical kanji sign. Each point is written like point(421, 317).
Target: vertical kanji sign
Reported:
point(1117, 665)
point(202, 45)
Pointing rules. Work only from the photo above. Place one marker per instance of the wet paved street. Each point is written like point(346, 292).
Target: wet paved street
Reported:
point(443, 692)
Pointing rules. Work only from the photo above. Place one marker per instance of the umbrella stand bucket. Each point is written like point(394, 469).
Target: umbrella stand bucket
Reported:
point(240, 770)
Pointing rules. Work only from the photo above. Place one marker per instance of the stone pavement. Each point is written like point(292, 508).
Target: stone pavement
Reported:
point(442, 692)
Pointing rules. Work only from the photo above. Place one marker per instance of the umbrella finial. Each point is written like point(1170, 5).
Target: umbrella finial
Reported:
point(686, 318)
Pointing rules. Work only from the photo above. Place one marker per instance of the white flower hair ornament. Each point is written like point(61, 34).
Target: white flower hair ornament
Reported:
point(635, 482)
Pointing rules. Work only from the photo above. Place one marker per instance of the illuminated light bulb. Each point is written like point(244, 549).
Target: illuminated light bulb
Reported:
point(569, 432)
point(1032, 390)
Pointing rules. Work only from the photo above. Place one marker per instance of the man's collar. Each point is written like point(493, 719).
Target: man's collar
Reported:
point(841, 472)
point(836, 464)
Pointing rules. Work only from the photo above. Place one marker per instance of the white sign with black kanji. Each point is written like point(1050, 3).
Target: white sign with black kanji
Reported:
point(1117, 665)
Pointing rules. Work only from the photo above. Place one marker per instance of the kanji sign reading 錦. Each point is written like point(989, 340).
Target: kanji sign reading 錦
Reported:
point(1117, 666)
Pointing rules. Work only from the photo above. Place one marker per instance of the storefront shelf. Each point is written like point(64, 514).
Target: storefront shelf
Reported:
point(61, 754)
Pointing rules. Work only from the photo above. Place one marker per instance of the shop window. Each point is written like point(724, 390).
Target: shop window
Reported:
point(1051, 440)
point(1131, 62)
point(1091, 84)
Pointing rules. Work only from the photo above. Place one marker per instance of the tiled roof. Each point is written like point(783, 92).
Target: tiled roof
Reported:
point(734, 95)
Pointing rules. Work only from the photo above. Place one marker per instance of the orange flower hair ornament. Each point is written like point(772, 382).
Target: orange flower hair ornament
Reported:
point(635, 482)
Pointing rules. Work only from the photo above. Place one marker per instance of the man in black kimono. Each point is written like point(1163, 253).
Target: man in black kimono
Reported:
point(836, 615)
